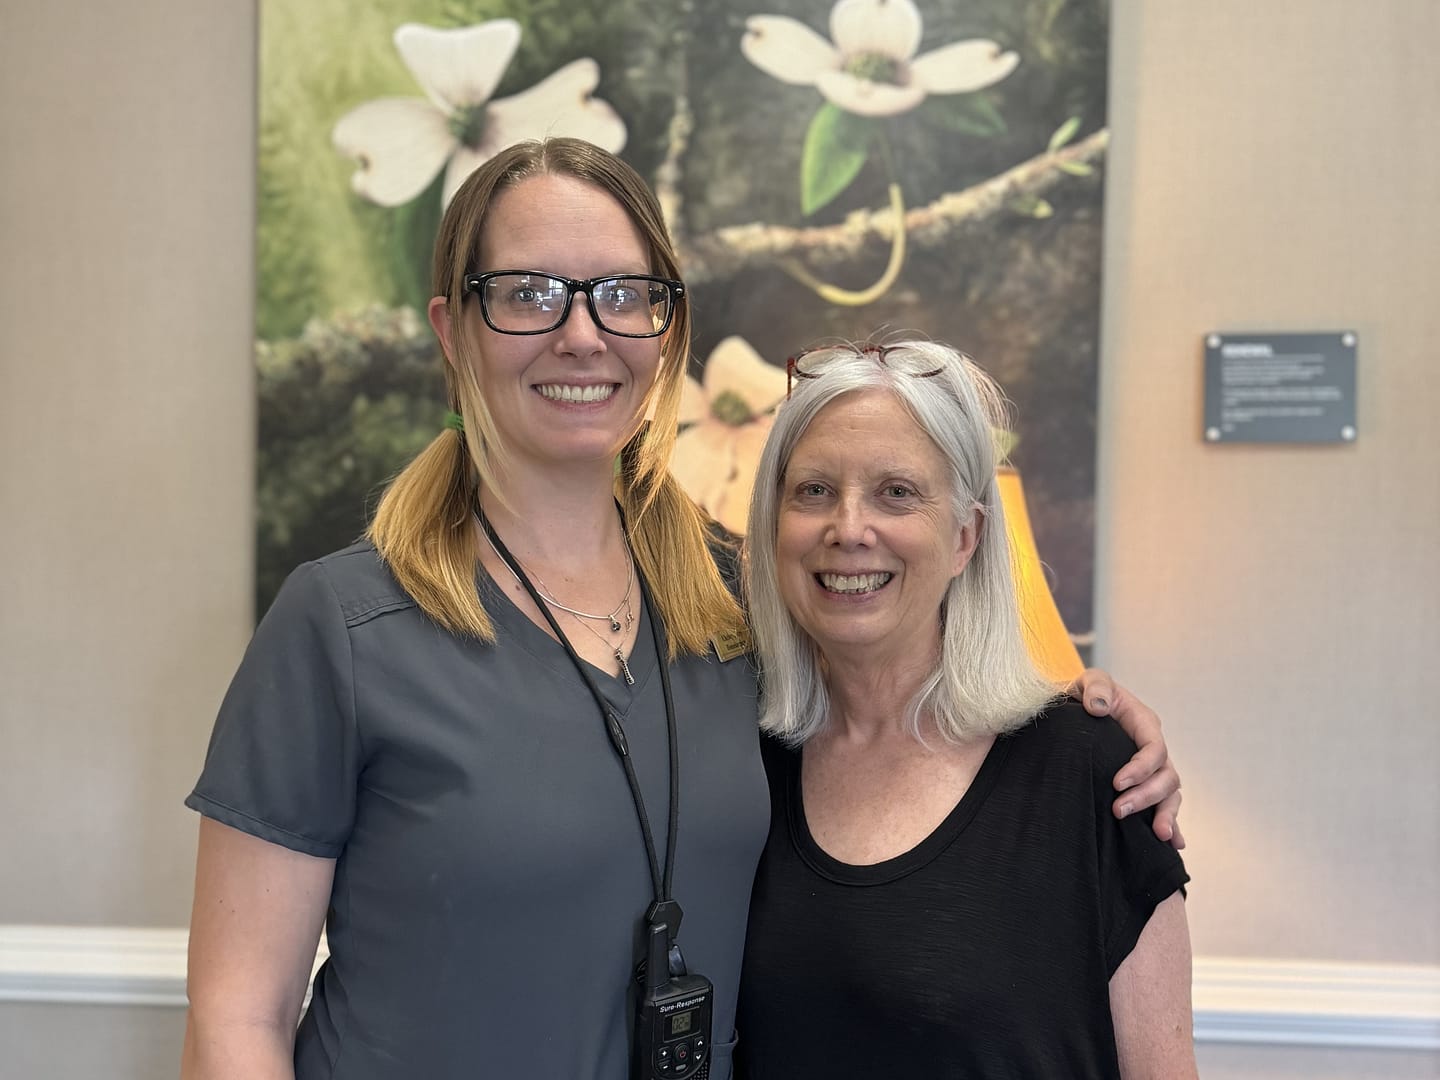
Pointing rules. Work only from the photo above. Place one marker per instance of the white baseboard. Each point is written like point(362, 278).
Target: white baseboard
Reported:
point(1282, 1002)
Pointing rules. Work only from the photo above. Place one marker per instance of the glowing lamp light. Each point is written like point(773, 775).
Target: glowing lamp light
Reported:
point(1050, 645)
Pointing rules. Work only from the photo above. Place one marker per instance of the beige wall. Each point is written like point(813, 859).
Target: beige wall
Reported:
point(126, 439)
point(1274, 166)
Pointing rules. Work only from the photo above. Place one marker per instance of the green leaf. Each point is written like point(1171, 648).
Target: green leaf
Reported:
point(1076, 168)
point(967, 114)
point(836, 147)
point(414, 227)
point(1032, 206)
point(1064, 133)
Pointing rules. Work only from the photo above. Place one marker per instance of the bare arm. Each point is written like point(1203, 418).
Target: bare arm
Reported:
point(1149, 778)
point(1150, 1000)
point(259, 909)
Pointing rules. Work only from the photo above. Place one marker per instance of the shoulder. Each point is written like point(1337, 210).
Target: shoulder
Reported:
point(353, 580)
point(1065, 731)
point(779, 756)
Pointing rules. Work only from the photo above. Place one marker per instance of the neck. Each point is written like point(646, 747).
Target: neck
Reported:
point(560, 520)
point(868, 697)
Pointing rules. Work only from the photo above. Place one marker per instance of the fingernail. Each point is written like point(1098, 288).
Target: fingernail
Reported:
point(1099, 703)
point(1124, 783)
point(1126, 809)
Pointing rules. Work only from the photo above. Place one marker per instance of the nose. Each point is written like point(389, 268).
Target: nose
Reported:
point(580, 333)
point(849, 523)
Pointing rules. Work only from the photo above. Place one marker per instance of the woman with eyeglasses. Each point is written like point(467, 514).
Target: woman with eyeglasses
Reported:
point(506, 747)
point(944, 891)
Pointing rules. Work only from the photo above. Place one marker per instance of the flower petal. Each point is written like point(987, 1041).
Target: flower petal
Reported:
point(559, 104)
point(787, 49)
point(867, 98)
point(733, 507)
point(703, 462)
point(734, 367)
point(963, 67)
point(462, 163)
point(460, 67)
point(400, 144)
point(693, 406)
point(887, 27)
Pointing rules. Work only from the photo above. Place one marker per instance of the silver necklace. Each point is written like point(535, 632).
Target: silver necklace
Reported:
point(615, 627)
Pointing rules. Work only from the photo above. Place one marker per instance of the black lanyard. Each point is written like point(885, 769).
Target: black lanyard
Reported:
point(664, 909)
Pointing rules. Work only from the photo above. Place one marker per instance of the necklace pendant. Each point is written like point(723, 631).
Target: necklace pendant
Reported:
point(625, 668)
point(614, 625)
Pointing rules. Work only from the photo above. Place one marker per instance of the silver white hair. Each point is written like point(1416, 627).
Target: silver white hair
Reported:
point(984, 681)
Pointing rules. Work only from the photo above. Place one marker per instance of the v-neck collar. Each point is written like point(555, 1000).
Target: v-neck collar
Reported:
point(518, 626)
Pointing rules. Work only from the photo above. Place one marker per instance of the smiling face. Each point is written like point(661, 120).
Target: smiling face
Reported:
point(867, 541)
point(576, 394)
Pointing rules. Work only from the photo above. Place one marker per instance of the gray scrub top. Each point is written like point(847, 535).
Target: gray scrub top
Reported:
point(490, 876)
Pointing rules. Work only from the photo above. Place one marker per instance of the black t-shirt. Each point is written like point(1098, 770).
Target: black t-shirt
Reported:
point(984, 951)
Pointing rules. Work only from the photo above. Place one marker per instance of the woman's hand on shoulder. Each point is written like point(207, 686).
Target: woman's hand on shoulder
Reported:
point(1149, 778)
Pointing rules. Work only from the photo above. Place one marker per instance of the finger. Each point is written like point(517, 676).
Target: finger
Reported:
point(1167, 820)
point(1144, 764)
point(1097, 690)
point(1159, 787)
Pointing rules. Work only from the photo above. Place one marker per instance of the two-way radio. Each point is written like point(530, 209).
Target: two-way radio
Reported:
point(673, 1019)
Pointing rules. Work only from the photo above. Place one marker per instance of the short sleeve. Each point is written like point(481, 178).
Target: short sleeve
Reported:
point(1137, 868)
point(284, 757)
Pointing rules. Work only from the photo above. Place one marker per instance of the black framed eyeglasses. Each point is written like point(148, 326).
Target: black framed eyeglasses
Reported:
point(534, 302)
point(811, 363)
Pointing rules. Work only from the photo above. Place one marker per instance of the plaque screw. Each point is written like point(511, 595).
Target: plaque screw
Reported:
point(1213, 341)
point(1348, 340)
point(1212, 434)
point(1347, 433)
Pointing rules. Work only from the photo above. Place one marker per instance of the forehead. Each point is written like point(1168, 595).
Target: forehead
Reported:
point(867, 431)
point(561, 224)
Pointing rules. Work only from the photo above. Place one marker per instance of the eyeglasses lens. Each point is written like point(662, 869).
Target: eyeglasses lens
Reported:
point(531, 303)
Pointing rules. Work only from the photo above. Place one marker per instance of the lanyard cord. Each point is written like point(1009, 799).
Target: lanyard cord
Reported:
point(661, 884)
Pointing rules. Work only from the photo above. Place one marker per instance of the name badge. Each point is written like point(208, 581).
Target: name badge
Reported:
point(731, 644)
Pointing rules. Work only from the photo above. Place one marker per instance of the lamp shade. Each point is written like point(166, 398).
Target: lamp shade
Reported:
point(1050, 645)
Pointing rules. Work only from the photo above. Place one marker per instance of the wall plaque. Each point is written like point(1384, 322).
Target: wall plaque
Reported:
point(1280, 388)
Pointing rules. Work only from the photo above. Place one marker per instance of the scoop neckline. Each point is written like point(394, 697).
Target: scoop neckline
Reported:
point(907, 862)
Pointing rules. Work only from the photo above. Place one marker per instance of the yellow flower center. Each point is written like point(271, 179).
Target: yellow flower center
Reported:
point(468, 125)
point(730, 408)
point(874, 67)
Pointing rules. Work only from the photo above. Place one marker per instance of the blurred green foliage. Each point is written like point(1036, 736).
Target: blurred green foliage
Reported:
point(342, 407)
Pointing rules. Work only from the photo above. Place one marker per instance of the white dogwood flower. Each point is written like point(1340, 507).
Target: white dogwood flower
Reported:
point(401, 143)
point(871, 68)
point(730, 415)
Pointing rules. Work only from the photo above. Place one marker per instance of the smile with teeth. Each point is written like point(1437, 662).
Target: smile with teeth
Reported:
point(576, 394)
point(853, 584)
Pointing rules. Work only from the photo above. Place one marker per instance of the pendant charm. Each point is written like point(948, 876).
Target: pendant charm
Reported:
point(625, 668)
point(614, 625)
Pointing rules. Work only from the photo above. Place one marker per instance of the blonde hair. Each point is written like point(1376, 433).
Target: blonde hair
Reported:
point(984, 681)
point(423, 527)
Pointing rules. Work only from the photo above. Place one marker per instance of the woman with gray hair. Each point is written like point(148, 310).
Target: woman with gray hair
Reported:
point(944, 888)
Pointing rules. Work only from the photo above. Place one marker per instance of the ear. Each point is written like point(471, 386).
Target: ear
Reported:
point(439, 313)
point(967, 539)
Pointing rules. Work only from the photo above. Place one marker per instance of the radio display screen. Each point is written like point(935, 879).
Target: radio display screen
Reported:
point(680, 1023)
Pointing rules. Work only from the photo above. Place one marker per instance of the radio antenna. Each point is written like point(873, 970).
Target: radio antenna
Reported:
point(657, 970)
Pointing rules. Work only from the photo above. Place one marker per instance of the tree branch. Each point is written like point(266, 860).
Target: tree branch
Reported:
point(728, 251)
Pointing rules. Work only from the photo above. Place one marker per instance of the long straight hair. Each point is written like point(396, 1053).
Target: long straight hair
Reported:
point(984, 682)
point(423, 527)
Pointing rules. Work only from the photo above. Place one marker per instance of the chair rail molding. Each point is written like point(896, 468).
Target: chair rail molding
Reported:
point(1237, 999)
